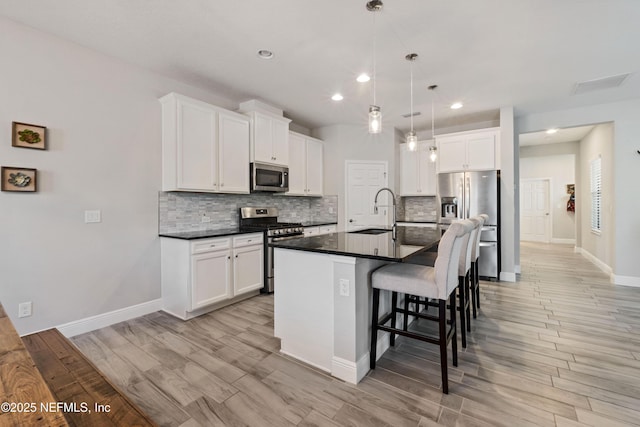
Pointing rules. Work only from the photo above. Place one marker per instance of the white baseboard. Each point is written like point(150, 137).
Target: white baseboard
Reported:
point(92, 323)
point(564, 241)
point(506, 276)
point(598, 263)
point(625, 280)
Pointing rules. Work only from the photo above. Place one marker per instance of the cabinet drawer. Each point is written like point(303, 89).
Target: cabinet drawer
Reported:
point(209, 245)
point(326, 229)
point(311, 231)
point(248, 240)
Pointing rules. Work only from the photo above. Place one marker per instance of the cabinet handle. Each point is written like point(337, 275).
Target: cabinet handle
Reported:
point(212, 246)
point(222, 185)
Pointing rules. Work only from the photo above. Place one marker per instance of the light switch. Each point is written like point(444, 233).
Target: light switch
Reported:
point(92, 216)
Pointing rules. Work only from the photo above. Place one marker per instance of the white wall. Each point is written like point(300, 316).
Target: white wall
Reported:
point(625, 228)
point(103, 120)
point(348, 142)
point(546, 161)
point(508, 196)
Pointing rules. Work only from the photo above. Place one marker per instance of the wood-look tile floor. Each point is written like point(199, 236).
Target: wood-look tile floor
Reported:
point(561, 347)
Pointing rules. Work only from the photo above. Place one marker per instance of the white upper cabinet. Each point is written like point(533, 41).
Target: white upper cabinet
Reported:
point(417, 172)
point(305, 165)
point(269, 138)
point(233, 135)
point(473, 150)
point(204, 147)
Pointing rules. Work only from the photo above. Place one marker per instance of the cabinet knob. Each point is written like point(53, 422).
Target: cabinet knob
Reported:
point(236, 256)
point(250, 240)
point(222, 185)
point(212, 246)
point(228, 257)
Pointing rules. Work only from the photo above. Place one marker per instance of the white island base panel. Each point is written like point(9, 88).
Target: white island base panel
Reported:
point(322, 311)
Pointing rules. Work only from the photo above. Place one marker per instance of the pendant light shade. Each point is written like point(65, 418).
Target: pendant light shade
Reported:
point(375, 115)
point(433, 149)
point(375, 119)
point(412, 139)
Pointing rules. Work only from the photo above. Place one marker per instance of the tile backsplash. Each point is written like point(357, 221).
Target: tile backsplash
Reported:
point(184, 211)
point(417, 209)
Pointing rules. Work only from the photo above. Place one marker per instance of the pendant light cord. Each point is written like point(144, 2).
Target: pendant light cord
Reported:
point(411, 72)
point(374, 58)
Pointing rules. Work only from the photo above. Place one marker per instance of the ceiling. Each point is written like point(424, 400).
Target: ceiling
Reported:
point(486, 53)
point(561, 135)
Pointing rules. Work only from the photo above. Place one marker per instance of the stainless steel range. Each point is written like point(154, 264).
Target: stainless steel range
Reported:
point(266, 220)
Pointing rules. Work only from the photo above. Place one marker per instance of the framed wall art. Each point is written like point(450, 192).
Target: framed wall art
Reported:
point(18, 179)
point(25, 135)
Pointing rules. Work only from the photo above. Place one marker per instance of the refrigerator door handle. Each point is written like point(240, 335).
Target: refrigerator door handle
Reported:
point(467, 197)
point(461, 192)
point(488, 244)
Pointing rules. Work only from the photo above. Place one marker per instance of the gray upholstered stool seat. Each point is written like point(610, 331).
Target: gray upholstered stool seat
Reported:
point(438, 282)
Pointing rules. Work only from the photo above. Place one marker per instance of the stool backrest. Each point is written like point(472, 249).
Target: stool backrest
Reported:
point(446, 266)
point(468, 244)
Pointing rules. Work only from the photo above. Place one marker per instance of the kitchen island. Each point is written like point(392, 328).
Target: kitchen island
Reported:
point(322, 297)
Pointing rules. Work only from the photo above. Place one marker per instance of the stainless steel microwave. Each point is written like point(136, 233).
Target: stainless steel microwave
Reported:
point(269, 178)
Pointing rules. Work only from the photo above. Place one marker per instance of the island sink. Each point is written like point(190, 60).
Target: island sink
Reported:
point(373, 231)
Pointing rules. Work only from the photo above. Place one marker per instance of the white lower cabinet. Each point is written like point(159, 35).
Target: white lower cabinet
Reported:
point(203, 274)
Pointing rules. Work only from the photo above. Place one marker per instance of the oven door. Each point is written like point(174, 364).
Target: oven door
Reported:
point(269, 178)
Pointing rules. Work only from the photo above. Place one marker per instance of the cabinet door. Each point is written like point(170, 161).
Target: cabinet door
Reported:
point(210, 278)
point(233, 151)
point(196, 148)
point(262, 138)
point(481, 152)
point(248, 269)
point(409, 185)
point(280, 142)
point(315, 165)
point(452, 155)
point(427, 169)
point(297, 170)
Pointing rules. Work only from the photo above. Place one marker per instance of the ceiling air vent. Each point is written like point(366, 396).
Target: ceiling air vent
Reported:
point(598, 84)
point(407, 115)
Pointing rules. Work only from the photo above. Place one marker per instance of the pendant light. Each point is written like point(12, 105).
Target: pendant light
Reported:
point(412, 139)
point(433, 149)
point(375, 115)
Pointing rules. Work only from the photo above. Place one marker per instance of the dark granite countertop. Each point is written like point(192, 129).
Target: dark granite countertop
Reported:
point(409, 241)
point(315, 224)
point(203, 234)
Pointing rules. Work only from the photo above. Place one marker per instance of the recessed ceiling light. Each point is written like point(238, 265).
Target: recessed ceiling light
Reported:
point(337, 97)
point(456, 105)
point(363, 78)
point(552, 131)
point(265, 54)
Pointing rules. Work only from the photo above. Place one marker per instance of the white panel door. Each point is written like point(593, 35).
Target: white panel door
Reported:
point(534, 211)
point(233, 143)
point(363, 182)
point(196, 148)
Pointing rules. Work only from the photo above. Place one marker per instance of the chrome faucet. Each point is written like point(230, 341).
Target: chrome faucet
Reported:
point(394, 228)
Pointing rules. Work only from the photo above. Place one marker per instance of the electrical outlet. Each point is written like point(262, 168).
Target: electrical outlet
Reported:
point(206, 218)
point(344, 287)
point(331, 210)
point(24, 309)
point(92, 216)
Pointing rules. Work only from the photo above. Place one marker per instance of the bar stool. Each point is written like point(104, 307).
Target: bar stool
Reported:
point(438, 282)
point(464, 268)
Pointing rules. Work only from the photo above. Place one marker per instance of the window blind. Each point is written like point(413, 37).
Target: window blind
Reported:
point(596, 193)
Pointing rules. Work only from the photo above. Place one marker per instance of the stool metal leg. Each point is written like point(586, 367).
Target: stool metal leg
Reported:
point(442, 323)
point(466, 302)
point(374, 327)
point(454, 336)
point(474, 285)
point(394, 304)
point(462, 309)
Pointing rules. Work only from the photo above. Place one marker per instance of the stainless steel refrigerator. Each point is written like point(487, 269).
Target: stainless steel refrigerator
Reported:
point(463, 195)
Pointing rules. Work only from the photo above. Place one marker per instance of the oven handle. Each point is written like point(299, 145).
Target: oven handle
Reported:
point(279, 239)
